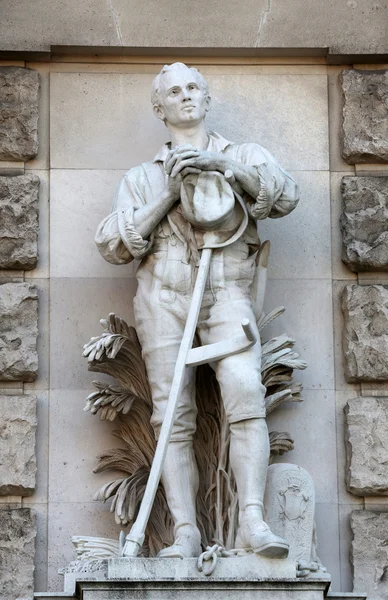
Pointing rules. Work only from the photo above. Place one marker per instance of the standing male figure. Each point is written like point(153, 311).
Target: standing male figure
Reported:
point(148, 223)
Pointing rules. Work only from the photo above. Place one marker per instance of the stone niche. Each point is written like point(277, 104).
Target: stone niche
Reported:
point(369, 553)
point(17, 552)
point(365, 341)
point(17, 445)
point(19, 222)
point(364, 223)
point(19, 98)
point(367, 446)
point(18, 332)
point(365, 116)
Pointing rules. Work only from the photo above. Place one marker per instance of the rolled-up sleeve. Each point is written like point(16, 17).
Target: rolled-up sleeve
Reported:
point(279, 193)
point(117, 239)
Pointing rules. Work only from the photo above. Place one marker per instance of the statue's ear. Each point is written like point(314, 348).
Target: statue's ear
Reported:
point(159, 112)
point(208, 103)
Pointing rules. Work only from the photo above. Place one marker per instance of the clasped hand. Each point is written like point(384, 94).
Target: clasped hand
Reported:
point(186, 159)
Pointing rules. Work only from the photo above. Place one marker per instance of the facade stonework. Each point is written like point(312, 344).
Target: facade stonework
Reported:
point(19, 222)
point(365, 336)
point(367, 446)
point(17, 552)
point(369, 553)
point(89, 143)
point(365, 116)
point(18, 332)
point(17, 445)
point(364, 223)
point(19, 95)
point(19, 105)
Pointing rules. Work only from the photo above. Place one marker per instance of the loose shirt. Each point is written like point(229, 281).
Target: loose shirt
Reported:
point(117, 238)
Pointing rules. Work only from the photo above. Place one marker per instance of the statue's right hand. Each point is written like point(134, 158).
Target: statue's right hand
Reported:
point(176, 169)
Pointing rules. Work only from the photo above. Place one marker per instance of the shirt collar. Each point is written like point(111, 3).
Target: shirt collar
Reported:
point(217, 143)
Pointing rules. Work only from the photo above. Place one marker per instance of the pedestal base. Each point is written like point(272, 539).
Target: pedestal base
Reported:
point(307, 587)
point(240, 578)
point(244, 568)
point(236, 578)
point(202, 590)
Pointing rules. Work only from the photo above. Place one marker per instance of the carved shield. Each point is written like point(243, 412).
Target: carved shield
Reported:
point(289, 508)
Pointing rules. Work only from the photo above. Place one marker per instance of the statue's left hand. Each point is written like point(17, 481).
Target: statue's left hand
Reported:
point(203, 160)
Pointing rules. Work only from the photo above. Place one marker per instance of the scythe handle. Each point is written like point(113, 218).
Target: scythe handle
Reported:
point(135, 538)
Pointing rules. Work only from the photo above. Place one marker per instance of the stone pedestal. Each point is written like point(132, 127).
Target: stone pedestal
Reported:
point(303, 588)
point(248, 567)
point(203, 590)
point(244, 577)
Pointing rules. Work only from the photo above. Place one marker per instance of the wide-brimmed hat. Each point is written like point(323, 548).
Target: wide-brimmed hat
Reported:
point(207, 199)
point(208, 202)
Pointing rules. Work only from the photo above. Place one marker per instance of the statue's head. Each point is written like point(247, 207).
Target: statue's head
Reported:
point(180, 95)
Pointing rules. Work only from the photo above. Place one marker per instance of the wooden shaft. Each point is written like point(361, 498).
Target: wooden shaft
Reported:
point(135, 537)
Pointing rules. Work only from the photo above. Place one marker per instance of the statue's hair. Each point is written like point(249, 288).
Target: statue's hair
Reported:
point(155, 98)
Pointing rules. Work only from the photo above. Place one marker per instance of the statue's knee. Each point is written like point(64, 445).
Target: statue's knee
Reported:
point(184, 425)
point(245, 383)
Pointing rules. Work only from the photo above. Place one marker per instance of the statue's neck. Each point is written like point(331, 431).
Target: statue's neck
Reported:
point(195, 136)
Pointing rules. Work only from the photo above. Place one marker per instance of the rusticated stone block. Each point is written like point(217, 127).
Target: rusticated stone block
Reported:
point(369, 553)
point(17, 445)
point(364, 223)
point(18, 332)
point(365, 116)
point(19, 97)
point(365, 342)
point(17, 552)
point(19, 222)
point(367, 446)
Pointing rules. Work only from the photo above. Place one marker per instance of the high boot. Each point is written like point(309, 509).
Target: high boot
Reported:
point(180, 482)
point(249, 454)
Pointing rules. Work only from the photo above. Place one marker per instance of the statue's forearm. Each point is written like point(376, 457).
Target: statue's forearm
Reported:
point(246, 175)
point(247, 178)
point(149, 216)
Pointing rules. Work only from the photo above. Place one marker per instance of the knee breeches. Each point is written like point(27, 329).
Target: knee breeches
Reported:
point(160, 321)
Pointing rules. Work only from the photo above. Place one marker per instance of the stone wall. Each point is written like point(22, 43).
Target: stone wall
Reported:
point(19, 93)
point(95, 111)
point(86, 165)
point(365, 335)
point(248, 28)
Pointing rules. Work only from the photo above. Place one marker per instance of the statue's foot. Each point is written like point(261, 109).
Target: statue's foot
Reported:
point(187, 544)
point(254, 534)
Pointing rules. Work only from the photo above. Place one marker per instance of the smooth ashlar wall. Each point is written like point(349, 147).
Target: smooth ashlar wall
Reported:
point(96, 122)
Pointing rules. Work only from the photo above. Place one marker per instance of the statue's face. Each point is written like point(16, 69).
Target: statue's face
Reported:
point(183, 101)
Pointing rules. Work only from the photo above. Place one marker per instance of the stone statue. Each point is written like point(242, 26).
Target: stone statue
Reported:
point(199, 187)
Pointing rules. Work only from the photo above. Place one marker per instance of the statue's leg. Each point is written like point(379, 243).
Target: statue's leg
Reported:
point(249, 450)
point(160, 327)
point(239, 377)
point(249, 453)
point(180, 481)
